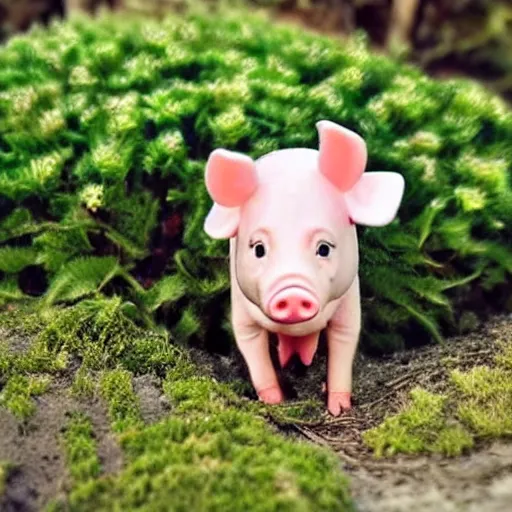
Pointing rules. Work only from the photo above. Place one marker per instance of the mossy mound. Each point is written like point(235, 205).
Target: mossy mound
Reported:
point(475, 407)
point(212, 451)
point(221, 459)
point(106, 127)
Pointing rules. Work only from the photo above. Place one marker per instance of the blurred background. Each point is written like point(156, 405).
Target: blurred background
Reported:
point(445, 37)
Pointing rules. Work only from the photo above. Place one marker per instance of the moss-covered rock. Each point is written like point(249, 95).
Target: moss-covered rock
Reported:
point(106, 127)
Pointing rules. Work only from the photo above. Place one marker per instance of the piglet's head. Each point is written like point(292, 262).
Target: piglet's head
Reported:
point(371, 199)
point(292, 213)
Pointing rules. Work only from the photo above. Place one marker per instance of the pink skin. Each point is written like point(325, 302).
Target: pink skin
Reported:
point(291, 217)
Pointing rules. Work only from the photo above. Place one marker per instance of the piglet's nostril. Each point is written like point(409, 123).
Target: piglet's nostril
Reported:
point(306, 304)
point(282, 304)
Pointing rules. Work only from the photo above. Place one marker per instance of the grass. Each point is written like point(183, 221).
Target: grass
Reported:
point(477, 406)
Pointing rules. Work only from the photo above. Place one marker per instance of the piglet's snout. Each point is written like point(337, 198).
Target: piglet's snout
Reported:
point(293, 305)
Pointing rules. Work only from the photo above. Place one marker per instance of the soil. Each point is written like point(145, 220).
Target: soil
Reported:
point(481, 480)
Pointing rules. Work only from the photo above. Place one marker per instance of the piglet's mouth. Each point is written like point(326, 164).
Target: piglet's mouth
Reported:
point(292, 305)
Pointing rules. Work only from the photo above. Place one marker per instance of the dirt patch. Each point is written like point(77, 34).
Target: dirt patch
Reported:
point(153, 403)
point(35, 449)
point(479, 481)
point(35, 452)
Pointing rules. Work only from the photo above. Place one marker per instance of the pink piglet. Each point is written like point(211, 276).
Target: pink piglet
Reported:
point(290, 217)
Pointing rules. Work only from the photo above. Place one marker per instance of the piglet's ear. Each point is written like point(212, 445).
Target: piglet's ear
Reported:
point(230, 177)
point(375, 199)
point(222, 222)
point(342, 155)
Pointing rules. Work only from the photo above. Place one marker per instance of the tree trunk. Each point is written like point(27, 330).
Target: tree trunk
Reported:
point(403, 15)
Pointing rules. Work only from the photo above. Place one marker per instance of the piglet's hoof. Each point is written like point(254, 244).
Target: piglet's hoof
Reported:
point(338, 401)
point(271, 395)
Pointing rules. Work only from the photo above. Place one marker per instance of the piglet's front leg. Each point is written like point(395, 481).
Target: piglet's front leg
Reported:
point(252, 342)
point(342, 339)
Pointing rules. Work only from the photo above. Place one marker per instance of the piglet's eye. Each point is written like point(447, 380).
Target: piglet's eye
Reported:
point(259, 250)
point(323, 250)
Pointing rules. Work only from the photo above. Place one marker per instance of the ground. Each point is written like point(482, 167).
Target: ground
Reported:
point(479, 479)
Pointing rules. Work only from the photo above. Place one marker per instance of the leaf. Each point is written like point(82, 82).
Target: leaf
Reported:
point(14, 259)
point(168, 289)
point(427, 219)
point(10, 290)
point(81, 277)
point(428, 323)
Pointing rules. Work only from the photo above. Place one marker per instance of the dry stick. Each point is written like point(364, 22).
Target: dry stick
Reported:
point(308, 433)
point(402, 378)
point(342, 420)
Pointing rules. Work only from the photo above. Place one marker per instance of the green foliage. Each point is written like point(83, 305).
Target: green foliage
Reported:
point(80, 448)
point(477, 405)
point(17, 394)
point(105, 135)
point(5, 468)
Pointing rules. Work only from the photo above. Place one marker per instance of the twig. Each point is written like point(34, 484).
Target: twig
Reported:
point(316, 438)
point(402, 378)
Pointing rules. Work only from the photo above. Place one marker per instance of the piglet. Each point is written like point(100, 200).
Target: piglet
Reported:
point(290, 217)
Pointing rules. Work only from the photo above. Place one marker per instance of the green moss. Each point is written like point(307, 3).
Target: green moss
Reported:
point(486, 400)
point(17, 394)
point(102, 335)
point(212, 455)
point(123, 405)
point(199, 394)
point(84, 385)
point(477, 405)
point(420, 427)
point(215, 451)
point(5, 469)
point(21, 319)
point(80, 448)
